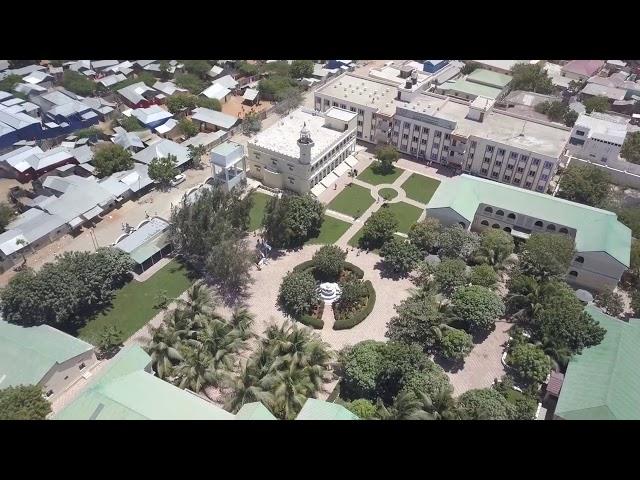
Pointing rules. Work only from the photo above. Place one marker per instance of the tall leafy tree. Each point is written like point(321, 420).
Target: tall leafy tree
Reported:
point(301, 68)
point(483, 275)
point(7, 214)
point(406, 406)
point(187, 128)
point(400, 255)
point(631, 147)
point(449, 275)
point(378, 229)
point(477, 306)
point(24, 402)
point(297, 294)
point(111, 158)
point(163, 170)
point(532, 78)
point(196, 152)
point(596, 104)
point(547, 255)
point(417, 320)
point(195, 372)
point(328, 261)
point(484, 404)
point(455, 344)
point(495, 247)
point(529, 362)
point(456, 242)
point(586, 184)
point(292, 219)
point(386, 157)
point(424, 234)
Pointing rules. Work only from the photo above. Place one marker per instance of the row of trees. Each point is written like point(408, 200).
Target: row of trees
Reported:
point(558, 112)
point(64, 293)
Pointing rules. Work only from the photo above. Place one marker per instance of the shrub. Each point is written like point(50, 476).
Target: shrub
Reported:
point(363, 408)
point(478, 306)
point(361, 366)
point(360, 315)
point(529, 362)
point(483, 275)
point(484, 404)
point(449, 275)
point(297, 294)
point(400, 255)
point(311, 321)
point(455, 344)
point(329, 262)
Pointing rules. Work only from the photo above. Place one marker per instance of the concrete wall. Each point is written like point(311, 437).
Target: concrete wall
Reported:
point(619, 176)
point(62, 375)
point(598, 271)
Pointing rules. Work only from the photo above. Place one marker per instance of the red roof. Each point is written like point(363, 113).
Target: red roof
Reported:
point(555, 383)
point(584, 67)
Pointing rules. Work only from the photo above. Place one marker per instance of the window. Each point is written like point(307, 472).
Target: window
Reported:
point(353, 109)
point(359, 123)
point(437, 134)
point(573, 273)
point(445, 148)
point(335, 104)
point(327, 103)
point(343, 106)
point(495, 225)
point(291, 181)
point(473, 144)
point(435, 146)
point(274, 161)
point(454, 143)
point(547, 165)
point(512, 216)
point(360, 111)
point(498, 164)
point(485, 223)
point(256, 154)
point(425, 130)
point(540, 188)
point(433, 156)
point(416, 128)
point(580, 132)
point(495, 174)
point(516, 181)
point(513, 155)
point(405, 136)
point(81, 366)
point(551, 227)
point(501, 151)
point(538, 224)
point(563, 230)
point(359, 134)
point(520, 170)
point(489, 149)
point(507, 178)
point(527, 185)
point(447, 136)
point(500, 212)
point(535, 161)
point(484, 171)
point(415, 139)
point(532, 173)
point(544, 177)
point(580, 259)
point(423, 141)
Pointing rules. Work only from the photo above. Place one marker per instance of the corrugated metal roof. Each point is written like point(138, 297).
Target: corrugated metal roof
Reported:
point(314, 409)
point(213, 117)
point(603, 383)
point(254, 411)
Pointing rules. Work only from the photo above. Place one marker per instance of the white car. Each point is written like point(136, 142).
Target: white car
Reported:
point(178, 179)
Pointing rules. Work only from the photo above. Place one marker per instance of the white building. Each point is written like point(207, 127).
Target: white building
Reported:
point(598, 137)
point(477, 140)
point(302, 148)
point(372, 100)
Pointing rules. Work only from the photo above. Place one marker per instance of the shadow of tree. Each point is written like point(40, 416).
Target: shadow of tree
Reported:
point(387, 272)
point(448, 365)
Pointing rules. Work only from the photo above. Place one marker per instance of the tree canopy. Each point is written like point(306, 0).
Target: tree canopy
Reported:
point(416, 320)
point(64, 293)
point(301, 68)
point(199, 68)
point(455, 344)
point(596, 104)
point(529, 362)
point(495, 247)
point(400, 255)
point(456, 242)
point(7, 213)
point(547, 255)
point(291, 220)
point(24, 402)
point(449, 275)
point(78, 83)
point(483, 275)
point(424, 234)
point(532, 78)
point(477, 306)
point(378, 229)
point(586, 184)
point(631, 147)
point(386, 156)
point(111, 158)
point(329, 261)
point(484, 404)
point(187, 128)
point(163, 169)
point(191, 82)
point(297, 294)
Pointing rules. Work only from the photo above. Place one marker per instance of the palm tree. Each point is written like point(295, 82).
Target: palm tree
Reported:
point(492, 256)
point(221, 342)
point(242, 320)
point(406, 406)
point(318, 358)
point(440, 405)
point(163, 349)
point(199, 301)
point(196, 152)
point(247, 388)
point(559, 354)
point(290, 389)
point(527, 300)
point(195, 372)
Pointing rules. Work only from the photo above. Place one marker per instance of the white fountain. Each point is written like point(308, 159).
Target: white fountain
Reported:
point(329, 292)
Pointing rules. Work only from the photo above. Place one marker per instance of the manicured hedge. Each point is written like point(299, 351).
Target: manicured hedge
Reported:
point(347, 266)
point(359, 316)
point(311, 321)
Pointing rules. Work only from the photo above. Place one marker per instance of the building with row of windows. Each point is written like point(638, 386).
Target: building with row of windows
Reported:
point(598, 137)
point(475, 139)
point(302, 148)
point(602, 243)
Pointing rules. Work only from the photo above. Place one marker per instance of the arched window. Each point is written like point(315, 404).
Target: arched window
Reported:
point(580, 259)
point(507, 229)
point(488, 209)
point(573, 273)
point(495, 225)
point(563, 230)
point(462, 224)
point(512, 216)
point(485, 223)
point(551, 227)
point(538, 224)
point(500, 212)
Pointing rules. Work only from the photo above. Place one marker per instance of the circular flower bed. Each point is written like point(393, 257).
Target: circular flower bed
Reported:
point(388, 193)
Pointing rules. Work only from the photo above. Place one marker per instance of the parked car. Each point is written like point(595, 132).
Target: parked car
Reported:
point(178, 179)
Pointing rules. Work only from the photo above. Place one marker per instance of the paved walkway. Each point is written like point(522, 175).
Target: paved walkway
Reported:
point(484, 363)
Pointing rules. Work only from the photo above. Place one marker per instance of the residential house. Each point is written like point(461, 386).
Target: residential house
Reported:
point(581, 69)
point(215, 72)
point(603, 382)
point(211, 120)
point(598, 137)
point(151, 117)
point(602, 243)
point(162, 149)
point(42, 356)
point(218, 92)
point(169, 88)
point(28, 163)
point(139, 95)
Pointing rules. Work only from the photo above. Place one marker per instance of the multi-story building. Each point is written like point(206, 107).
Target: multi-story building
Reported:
point(372, 100)
point(302, 148)
point(598, 137)
point(602, 243)
point(477, 140)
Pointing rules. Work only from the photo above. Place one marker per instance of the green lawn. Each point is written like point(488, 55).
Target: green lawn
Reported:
point(332, 229)
point(260, 201)
point(133, 305)
point(353, 200)
point(373, 178)
point(406, 214)
point(388, 193)
point(420, 188)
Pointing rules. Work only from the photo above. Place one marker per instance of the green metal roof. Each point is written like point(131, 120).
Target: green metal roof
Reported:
point(597, 230)
point(127, 392)
point(314, 409)
point(487, 77)
point(469, 88)
point(254, 411)
point(147, 250)
point(603, 383)
point(28, 353)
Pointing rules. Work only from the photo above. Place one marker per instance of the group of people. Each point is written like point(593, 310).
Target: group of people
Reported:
point(264, 249)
